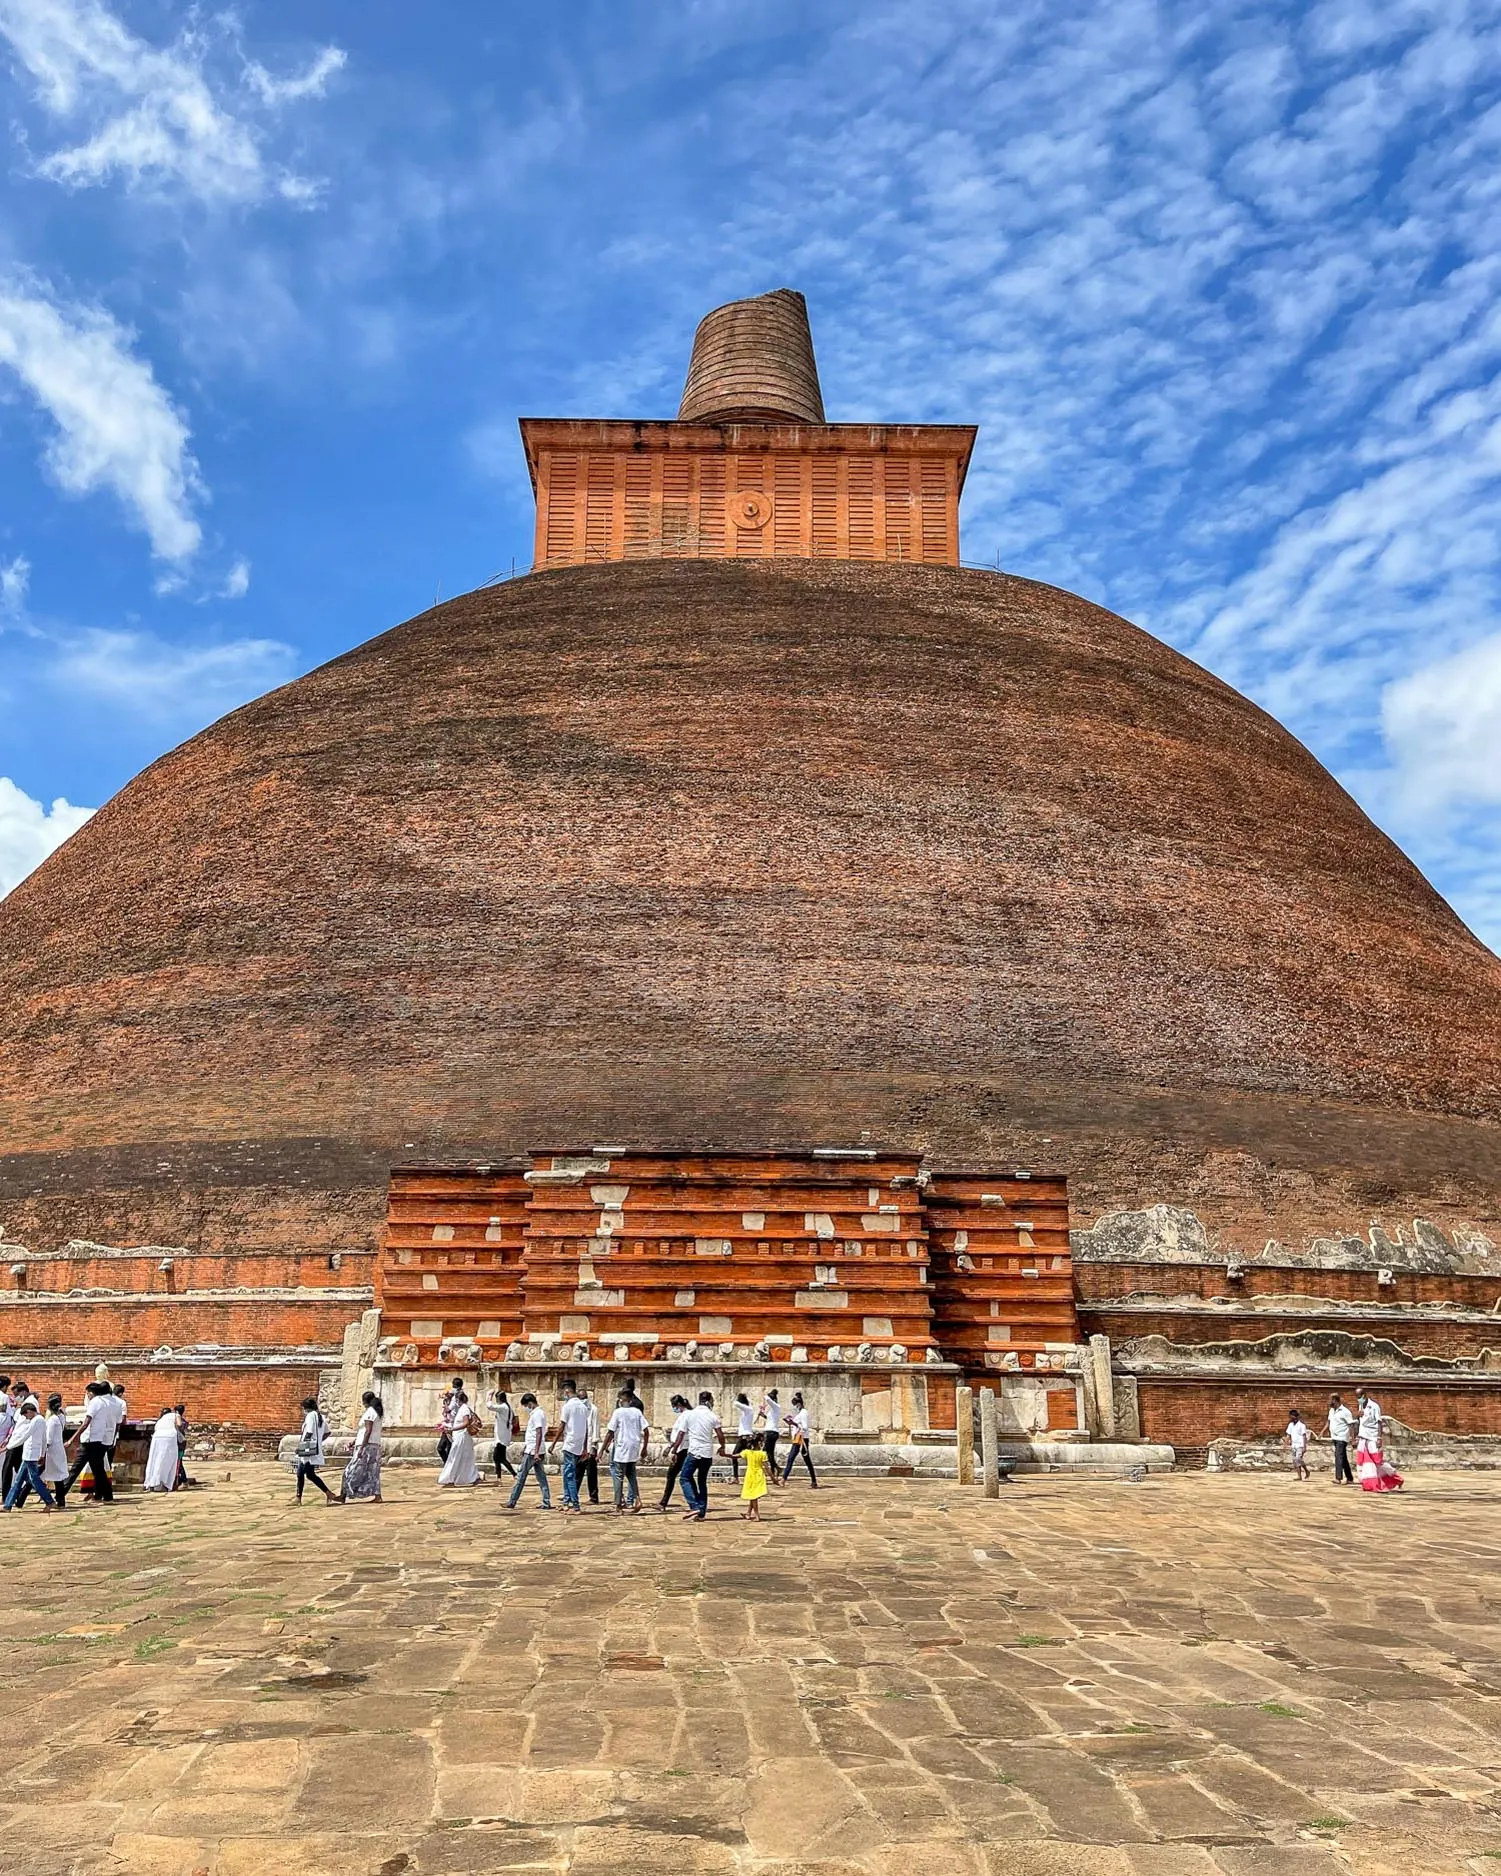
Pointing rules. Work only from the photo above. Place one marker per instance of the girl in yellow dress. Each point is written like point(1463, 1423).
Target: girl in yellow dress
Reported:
point(754, 1488)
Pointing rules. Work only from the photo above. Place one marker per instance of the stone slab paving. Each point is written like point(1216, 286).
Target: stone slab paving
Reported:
point(1189, 1676)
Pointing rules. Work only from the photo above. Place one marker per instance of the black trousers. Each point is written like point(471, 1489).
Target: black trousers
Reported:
point(772, 1436)
point(445, 1447)
point(9, 1467)
point(805, 1453)
point(306, 1472)
point(502, 1460)
point(1342, 1470)
point(95, 1455)
point(674, 1467)
point(589, 1475)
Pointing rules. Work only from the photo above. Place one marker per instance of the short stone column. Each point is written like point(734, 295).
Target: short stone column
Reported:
point(990, 1457)
point(964, 1422)
point(1104, 1384)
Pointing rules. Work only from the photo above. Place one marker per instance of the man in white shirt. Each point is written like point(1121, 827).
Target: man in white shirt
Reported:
point(32, 1450)
point(532, 1458)
point(700, 1434)
point(11, 1464)
point(770, 1416)
point(626, 1439)
point(505, 1428)
point(799, 1427)
point(94, 1438)
point(589, 1470)
point(1341, 1426)
point(574, 1418)
point(677, 1447)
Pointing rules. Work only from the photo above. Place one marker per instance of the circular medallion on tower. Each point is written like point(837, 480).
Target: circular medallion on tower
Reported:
point(750, 509)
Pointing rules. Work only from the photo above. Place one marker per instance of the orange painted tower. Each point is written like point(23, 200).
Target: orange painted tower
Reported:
point(750, 469)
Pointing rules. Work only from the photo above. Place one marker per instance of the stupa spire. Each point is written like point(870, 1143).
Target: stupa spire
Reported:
point(753, 360)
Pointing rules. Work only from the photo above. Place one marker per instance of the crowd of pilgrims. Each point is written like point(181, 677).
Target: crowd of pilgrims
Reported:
point(42, 1458)
point(622, 1443)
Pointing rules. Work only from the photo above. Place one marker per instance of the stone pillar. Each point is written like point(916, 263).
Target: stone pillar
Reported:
point(989, 1454)
point(1104, 1385)
point(361, 1340)
point(964, 1421)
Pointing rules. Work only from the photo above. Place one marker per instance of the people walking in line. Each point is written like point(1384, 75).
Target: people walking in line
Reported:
point(461, 1467)
point(309, 1458)
point(162, 1459)
point(1296, 1441)
point(1341, 1426)
point(505, 1431)
point(532, 1458)
point(1374, 1472)
point(627, 1437)
point(573, 1417)
point(745, 1426)
point(361, 1481)
point(677, 1448)
point(704, 1430)
point(55, 1464)
point(93, 1439)
point(32, 1451)
point(800, 1431)
point(755, 1487)
point(770, 1416)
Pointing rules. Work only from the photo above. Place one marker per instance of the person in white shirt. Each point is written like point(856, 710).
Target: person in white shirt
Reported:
point(1297, 1443)
point(19, 1393)
point(461, 1466)
point(55, 1465)
point(361, 1481)
point(770, 1416)
point(94, 1438)
point(7, 1413)
point(310, 1450)
point(800, 1431)
point(532, 1459)
point(121, 1413)
point(589, 1470)
point(1368, 1438)
point(701, 1434)
point(161, 1455)
point(626, 1439)
point(745, 1431)
point(677, 1448)
point(1341, 1426)
point(505, 1428)
point(32, 1450)
point(573, 1418)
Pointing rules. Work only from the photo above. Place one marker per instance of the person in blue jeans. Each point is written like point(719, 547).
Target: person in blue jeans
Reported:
point(33, 1450)
point(574, 1416)
point(626, 1441)
point(532, 1460)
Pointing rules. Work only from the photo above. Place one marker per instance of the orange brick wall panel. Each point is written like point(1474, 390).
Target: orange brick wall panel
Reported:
point(176, 1322)
point(452, 1255)
point(1436, 1337)
point(818, 1251)
point(1194, 1412)
point(1002, 1270)
point(282, 1270)
point(264, 1399)
point(623, 491)
point(1101, 1282)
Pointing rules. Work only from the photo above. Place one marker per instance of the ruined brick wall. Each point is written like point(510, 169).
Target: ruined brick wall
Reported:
point(1192, 1411)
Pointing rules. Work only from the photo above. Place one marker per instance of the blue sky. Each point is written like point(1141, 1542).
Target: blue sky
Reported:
point(1218, 284)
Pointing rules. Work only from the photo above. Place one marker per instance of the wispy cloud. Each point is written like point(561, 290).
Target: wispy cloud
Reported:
point(155, 116)
point(15, 582)
point(172, 683)
point(29, 831)
point(116, 428)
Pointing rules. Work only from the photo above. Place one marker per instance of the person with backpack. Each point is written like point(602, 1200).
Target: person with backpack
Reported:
point(309, 1457)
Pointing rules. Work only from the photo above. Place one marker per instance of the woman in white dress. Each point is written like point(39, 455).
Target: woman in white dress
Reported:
point(161, 1459)
point(55, 1465)
point(460, 1467)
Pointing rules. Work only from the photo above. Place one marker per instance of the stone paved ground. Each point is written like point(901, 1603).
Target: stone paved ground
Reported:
point(1189, 1676)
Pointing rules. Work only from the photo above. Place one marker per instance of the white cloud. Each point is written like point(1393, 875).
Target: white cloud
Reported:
point(29, 831)
point(15, 581)
point(237, 580)
point(1442, 726)
point(117, 428)
point(170, 683)
point(152, 115)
